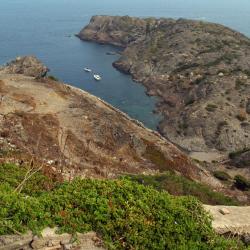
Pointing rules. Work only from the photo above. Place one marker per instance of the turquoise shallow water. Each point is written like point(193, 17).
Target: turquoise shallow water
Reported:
point(46, 29)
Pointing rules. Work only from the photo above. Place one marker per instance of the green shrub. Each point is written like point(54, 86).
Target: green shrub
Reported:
point(125, 214)
point(211, 107)
point(179, 185)
point(242, 183)
point(53, 78)
point(156, 156)
point(223, 176)
point(13, 175)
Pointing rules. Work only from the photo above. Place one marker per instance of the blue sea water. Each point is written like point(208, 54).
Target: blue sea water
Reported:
point(46, 29)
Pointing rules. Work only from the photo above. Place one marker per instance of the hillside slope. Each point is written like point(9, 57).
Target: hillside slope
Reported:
point(77, 133)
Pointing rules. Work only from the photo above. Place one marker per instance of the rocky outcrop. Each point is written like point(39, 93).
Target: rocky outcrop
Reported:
point(28, 66)
point(199, 70)
point(76, 133)
point(231, 221)
point(123, 30)
point(50, 240)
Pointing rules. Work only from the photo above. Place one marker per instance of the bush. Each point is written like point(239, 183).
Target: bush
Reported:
point(223, 176)
point(53, 78)
point(241, 183)
point(242, 116)
point(125, 214)
point(179, 185)
point(211, 107)
point(13, 175)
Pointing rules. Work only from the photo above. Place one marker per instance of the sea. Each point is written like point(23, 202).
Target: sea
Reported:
point(47, 30)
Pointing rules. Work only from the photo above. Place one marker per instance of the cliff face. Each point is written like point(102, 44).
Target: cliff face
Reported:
point(77, 133)
point(199, 70)
point(119, 31)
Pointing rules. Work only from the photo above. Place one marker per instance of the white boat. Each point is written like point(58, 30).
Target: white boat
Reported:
point(87, 69)
point(97, 77)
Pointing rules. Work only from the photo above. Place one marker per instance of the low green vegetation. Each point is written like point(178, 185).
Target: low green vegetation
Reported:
point(242, 183)
point(156, 156)
point(211, 107)
point(179, 185)
point(223, 176)
point(53, 78)
point(126, 214)
point(14, 175)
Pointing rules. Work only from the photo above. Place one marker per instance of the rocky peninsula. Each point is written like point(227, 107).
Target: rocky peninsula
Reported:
point(200, 71)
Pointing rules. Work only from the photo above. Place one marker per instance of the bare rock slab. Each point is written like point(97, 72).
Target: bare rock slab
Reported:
point(230, 219)
point(50, 240)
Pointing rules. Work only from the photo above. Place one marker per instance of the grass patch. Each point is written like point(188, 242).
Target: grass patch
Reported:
point(53, 78)
point(156, 156)
point(223, 176)
point(179, 185)
point(126, 214)
point(241, 183)
point(211, 107)
point(13, 175)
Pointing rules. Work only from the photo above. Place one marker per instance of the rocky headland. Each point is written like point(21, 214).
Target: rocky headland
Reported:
point(200, 71)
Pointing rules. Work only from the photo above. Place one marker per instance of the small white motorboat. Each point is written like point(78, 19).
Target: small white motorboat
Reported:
point(87, 69)
point(97, 77)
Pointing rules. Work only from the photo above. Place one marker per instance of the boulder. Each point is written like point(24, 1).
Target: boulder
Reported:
point(28, 66)
point(49, 240)
point(236, 222)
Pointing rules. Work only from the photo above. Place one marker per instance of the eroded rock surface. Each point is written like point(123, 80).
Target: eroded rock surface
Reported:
point(235, 221)
point(50, 240)
point(199, 70)
point(28, 66)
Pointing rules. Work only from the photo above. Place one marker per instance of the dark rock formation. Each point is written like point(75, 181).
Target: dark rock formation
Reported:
point(248, 106)
point(199, 70)
point(242, 160)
